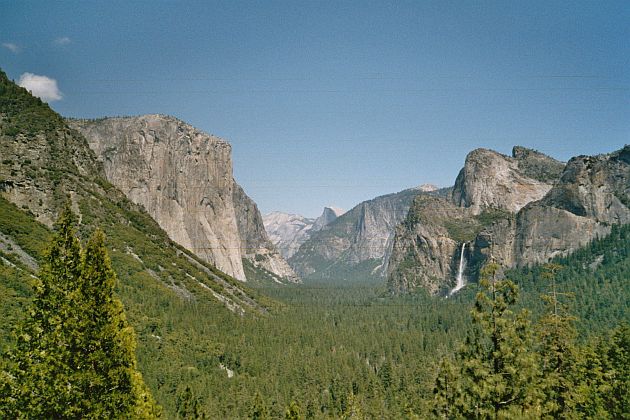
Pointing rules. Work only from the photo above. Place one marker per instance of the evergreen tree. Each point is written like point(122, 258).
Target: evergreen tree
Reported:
point(617, 372)
point(293, 412)
point(590, 383)
point(558, 353)
point(75, 353)
point(187, 405)
point(353, 409)
point(446, 390)
point(259, 410)
point(497, 369)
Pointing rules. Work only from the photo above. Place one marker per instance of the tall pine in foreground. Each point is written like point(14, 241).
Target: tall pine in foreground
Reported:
point(559, 354)
point(497, 370)
point(75, 352)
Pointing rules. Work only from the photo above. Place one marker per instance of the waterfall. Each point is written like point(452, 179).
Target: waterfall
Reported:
point(460, 273)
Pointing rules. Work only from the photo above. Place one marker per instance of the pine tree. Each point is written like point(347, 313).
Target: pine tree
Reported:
point(446, 390)
point(497, 371)
point(617, 372)
point(558, 353)
point(187, 405)
point(353, 409)
point(259, 410)
point(75, 353)
point(293, 412)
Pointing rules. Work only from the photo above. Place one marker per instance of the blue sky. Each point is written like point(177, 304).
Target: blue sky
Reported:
point(338, 102)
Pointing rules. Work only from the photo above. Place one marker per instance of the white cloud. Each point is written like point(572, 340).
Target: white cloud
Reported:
point(64, 40)
point(43, 87)
point(14, 48)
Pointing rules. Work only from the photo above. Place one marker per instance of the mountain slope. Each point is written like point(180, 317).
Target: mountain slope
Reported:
point(356, 245)
point(172, 297)
point(183, 178)
point(517, 210)
point(592, 194)
point(289, 231)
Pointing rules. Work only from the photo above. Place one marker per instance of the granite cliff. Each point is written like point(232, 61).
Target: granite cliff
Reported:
point(46, 164)
point(183, 178)
point(256, 246)
point(518, 210)
point(592, 194)
point(492, 180)
point(356, 245)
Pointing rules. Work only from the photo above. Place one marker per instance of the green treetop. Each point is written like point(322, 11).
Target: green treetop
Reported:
point(496, 368)
point(75, 353)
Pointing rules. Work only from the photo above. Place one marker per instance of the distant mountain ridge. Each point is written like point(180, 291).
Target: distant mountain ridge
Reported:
point(356, 246)
point(288, 231)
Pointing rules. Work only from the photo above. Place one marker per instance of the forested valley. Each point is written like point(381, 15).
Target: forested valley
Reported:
point(102, 315)
point(549, 342)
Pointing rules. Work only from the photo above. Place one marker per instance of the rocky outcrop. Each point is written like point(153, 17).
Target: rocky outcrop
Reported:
point(255, 244)
point(592, 194)
point(518, 211)
point(492, 180)
point(357, 245)
point(329, 215)
point(45, 165)
point(183, 178)
point(423, 251)
point(289, 231)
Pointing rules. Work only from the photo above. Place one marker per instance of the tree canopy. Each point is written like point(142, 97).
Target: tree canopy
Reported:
point(75, 351)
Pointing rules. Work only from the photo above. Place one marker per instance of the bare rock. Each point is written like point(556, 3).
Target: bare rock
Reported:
point(183, 179)
point(490, 179)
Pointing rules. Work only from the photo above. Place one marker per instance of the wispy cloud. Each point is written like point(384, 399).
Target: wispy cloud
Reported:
point(14, 48)
point(64, 40)
point(41, 86)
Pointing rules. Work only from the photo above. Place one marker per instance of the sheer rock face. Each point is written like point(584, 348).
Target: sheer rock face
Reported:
point(182, 177)
point(592, 194)
point(519, 211)
point(490, 179)
point(423, 253)
point(356, 245)
point(256, 246)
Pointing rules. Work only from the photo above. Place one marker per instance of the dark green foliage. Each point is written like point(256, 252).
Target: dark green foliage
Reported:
point(23, 114)
point(497, 370)
point(293, 412)
point(18, 225)
point(447, 391)
point(188, 406)
point(259, 409)
point(343, 273)
point(616, 355)
point(558, 352)
point(343, 352)
point(466, 229)
point(322, 345)
point(500, 372)
point(75, 353)
point(597, 278)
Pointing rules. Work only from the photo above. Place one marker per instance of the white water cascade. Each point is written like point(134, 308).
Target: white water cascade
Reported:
point(461, 282)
